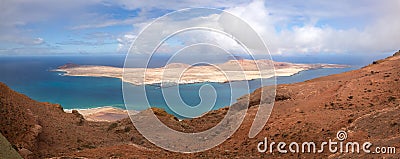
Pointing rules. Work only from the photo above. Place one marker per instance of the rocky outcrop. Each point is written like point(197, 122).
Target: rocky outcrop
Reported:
point(7, 150)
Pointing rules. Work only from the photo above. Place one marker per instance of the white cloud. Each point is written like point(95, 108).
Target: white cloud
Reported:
point(380, 33)
point(287, 29)
point(178, 4)
point(105, 23)
point(15, 15)
point(124, 42)
point(287, 26)
point(38, 41)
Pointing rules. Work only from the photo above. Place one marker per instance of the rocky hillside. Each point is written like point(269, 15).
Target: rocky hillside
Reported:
point(39, 130)
point(364, 103)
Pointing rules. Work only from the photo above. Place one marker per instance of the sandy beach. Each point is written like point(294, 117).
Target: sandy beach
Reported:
point(107, 113)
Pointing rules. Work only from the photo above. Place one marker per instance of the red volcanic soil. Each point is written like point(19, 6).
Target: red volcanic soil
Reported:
point(364, 103)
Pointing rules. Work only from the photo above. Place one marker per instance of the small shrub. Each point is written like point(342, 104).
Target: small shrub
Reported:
point(391, 99)
point(112, 126)
point(350, 121)
point(127, 129)
point(350, 97)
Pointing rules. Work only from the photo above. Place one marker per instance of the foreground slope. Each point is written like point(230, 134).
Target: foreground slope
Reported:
point(39, 130)
point(364, 103)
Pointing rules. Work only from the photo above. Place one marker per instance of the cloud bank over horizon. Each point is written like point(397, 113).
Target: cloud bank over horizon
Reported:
point(288, 27)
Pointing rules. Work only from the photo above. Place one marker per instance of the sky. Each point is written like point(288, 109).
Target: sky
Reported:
point(288, 27)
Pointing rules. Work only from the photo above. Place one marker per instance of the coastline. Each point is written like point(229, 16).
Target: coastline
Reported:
point(103, 114)
point(248, 70)
point(111, 114)
point(197, 74)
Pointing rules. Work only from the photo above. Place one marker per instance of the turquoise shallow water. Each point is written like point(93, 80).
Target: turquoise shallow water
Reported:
point(31, 76)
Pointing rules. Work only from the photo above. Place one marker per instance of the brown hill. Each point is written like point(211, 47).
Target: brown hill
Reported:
point(39, 130)
point(68, 65)
point(364, 103)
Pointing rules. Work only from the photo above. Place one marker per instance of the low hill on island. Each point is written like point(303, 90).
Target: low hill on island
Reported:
point(364, 103)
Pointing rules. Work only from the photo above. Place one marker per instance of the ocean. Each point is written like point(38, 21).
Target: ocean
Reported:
point(31, 75)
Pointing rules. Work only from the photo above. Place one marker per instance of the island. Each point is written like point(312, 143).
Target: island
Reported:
point(180, 73)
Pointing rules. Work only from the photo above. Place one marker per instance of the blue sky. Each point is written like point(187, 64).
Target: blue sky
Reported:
point(289, 27)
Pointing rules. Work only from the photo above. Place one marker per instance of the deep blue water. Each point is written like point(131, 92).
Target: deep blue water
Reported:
point(30, 75)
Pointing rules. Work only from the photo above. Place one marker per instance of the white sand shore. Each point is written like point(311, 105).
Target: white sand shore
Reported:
point(106, 113)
